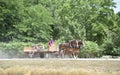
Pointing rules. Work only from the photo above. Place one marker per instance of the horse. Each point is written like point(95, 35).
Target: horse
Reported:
point(65, 49)
point(71, 48)
point(77, 47)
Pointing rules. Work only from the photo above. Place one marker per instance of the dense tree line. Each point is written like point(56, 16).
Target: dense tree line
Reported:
point(39, 20)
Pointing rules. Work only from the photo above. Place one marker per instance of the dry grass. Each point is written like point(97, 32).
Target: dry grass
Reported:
point(59, 67)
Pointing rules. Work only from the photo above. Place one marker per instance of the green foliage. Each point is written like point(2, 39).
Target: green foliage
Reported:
point(91, 49)
point(116, 37)
point(111, 50)
point(112, 44)
point(39, 20)
point(108, 46)
point(10, 15)
point(36, 25)
point(14, 49)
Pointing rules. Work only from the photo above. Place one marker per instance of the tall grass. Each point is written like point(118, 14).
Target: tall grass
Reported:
point(2, 72)
point(59, 67)
point(40, 71)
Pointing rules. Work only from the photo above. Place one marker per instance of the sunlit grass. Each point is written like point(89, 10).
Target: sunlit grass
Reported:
point(59, 67)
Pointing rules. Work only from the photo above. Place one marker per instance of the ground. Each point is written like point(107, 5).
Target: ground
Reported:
point(60, 66)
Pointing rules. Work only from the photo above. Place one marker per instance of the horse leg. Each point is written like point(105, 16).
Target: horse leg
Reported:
point(62, 54)
point(76, 54)
point(73, 55)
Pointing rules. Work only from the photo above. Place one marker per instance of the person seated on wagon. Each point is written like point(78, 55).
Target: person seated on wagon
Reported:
point(51, 42)
point(35, 48)
point(41, 47)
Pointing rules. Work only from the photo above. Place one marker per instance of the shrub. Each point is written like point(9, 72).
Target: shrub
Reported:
point(91, 49)
point(111, 49)
point(14, 49)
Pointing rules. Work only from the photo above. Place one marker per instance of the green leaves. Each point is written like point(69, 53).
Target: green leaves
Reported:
point(38, 20)
point(9, 16)
point(36, 23)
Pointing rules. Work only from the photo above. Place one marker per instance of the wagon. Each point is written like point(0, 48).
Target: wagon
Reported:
point(49, 52)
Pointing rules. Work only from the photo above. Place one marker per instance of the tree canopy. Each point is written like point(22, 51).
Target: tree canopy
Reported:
point(39, 20)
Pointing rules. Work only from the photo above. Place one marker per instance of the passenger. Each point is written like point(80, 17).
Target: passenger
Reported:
point(35, 48)
point(42, 47)
point(51, 42)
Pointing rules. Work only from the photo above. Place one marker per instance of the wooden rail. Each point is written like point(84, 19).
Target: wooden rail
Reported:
point(32, 52)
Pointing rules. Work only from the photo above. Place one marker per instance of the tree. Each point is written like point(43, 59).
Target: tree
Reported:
point(112, 44)
point(90, 20)
point(36, 24)
point(10, 15)
point(37, 20)
point(116, 32)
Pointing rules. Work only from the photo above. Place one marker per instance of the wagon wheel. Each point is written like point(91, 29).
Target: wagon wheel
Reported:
point(41, 55)
point(31, 54)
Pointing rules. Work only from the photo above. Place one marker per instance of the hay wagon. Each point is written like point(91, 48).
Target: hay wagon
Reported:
point(52, 51)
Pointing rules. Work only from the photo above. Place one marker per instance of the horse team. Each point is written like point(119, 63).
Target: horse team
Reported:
point(71, 48)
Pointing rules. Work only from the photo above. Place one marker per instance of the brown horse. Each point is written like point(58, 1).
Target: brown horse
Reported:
point(77, 47)
point(65, 49)
point(71, 48)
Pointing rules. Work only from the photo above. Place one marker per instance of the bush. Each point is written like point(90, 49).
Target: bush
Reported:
point(91, 49)
point(13, 49)
point(111, 49)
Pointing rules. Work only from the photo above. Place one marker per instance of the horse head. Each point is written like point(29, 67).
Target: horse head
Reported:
point(81, 44)
point(73, 43)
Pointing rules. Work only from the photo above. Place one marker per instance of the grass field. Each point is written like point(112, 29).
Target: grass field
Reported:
point(59, 67)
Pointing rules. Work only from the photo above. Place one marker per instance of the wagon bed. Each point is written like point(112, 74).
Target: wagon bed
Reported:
point(31, 52)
